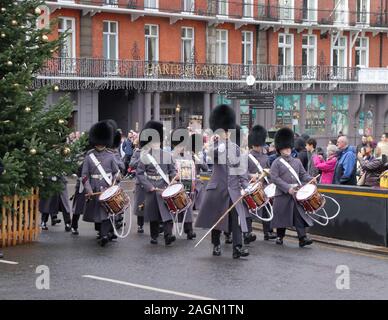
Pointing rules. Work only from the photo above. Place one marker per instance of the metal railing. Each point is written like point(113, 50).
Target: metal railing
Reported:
point(89, 68)
point(238, 9)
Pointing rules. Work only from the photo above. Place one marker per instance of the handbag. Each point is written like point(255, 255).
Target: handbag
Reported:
point(361, 181)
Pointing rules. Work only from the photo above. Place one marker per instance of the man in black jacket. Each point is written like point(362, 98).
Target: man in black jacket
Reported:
point(1, 172)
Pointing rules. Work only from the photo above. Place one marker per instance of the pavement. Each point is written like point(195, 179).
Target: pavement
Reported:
point(134, 269)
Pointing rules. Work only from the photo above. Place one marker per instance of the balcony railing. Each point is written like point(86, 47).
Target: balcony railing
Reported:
point(237, 9)
point(90, 68)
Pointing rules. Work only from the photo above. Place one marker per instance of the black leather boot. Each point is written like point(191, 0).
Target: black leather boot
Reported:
point(67, 227)
point(249, 237)
point(169, 239)
point(305, 241)
point(228, 238)
point(217, 250)
point(43, 226)
point(239, 251)
point(154, 241)
point(74, 232)
point(104, 240)
point(279, 241)
point(191, 235)
point(269, 236)
point(140, 229)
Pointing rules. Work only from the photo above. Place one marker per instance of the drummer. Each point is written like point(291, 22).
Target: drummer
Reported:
point(96, 178)
point(155, 171)
point(287, 173)
point(258, 161)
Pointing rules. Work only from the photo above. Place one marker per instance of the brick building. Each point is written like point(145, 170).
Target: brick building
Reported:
point(135, 60)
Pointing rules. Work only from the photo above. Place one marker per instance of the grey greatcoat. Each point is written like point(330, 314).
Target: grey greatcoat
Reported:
point(79, 199)
point(94, 212)
point(284, 203)
point(155, 208)
point(199, 186)
point(224, 188)
point(138, 206)
point(58, 202)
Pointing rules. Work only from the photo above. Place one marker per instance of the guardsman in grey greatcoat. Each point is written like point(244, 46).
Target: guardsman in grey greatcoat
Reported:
point(54, 204)
point(155, 171)
point(287, 212)
point(226, 185)
point(97, 180)
point(139, 199)
point(258, 161)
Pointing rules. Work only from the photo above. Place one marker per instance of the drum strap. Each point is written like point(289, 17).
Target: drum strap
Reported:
point(101, 169)
point(258, 165)
point(158, 168)
point(291, 169)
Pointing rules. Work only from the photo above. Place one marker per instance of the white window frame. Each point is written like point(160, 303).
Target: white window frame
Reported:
point(185, 8)
point(287, 71)
point(365, 49)
point(311, 69)
point(157, 42)
point(146, 5)
point(363, 14)
point(245, 44)
point(248, 9)
point(116, 34)
point(338, 47)
point(284, 7)
point(219, 3)
point(110, 3)
point(219, 41)
point(341, 12)
point(185, 38)
point(312, 11)
point(67, 67)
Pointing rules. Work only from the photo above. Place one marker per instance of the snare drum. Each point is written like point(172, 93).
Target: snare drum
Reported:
point(176, 198)
point(310, 199)
point(114, 200)
point(256, 197)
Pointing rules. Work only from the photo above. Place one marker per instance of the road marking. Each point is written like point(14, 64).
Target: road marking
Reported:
point(8, 262)
point(176, 293)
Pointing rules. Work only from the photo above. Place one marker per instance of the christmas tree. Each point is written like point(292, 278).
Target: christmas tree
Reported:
point(33, 138)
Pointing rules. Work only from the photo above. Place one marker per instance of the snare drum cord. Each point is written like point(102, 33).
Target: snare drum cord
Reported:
point(324, 224)
point(123, 235)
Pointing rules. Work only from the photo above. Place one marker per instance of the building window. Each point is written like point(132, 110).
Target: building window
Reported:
point(110, 45)
point(362, 52)
point(288, 112)
point(188, 6)
point(151, 4)
point(248, 9)
point(222, 46)
point(315, 115)
point(222, 9)
point(366, 123)
point(247, 47)
point(67, 47)
point(286, 54)
point(309, 55)
point(341, 11)
point(310, 10)
point(112, 3)
point(363, 11)
point(339, 56)
point(340, 115)
point(187, 45)
point(151, 43)
point(286, 10)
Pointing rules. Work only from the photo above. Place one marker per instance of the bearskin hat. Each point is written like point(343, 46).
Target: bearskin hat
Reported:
point(222, 117)
point(257, 136)
point(101, 134)
point(284, 138)
point(155, 125)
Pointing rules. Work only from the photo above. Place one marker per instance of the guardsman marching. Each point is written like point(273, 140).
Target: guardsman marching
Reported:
point(98, 173)
point(155, 171)
point(54, 204)
point(287, 173)
point(258, 160)
point(139, 199)
point(226, 185)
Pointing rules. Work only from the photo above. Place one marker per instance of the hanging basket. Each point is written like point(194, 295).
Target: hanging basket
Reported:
point(19, 219)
